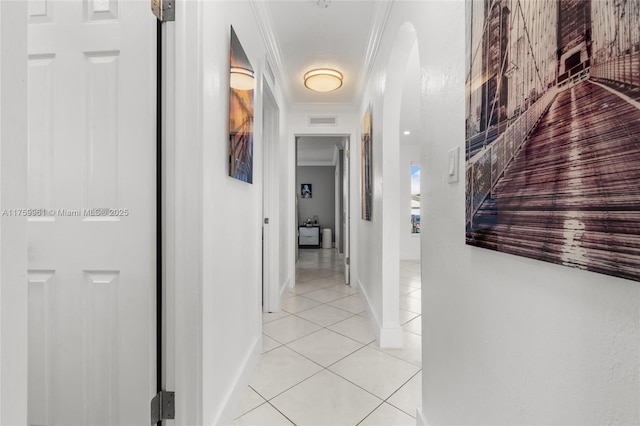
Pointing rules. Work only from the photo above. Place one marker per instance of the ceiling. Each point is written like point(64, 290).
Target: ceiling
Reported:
point(345, 35)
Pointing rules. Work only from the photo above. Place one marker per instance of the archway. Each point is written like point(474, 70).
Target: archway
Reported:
point(403, 54)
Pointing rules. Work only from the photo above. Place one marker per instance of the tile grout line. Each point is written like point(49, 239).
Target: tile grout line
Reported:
point(367, 416)
point(397, 390)
point(283, 414)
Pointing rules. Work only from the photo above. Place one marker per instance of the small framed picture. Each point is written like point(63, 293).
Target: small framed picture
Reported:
point(305, 190)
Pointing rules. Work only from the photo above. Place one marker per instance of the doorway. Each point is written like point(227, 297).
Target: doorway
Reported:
point(410, 151)
point(92, 170)
point(322, 193)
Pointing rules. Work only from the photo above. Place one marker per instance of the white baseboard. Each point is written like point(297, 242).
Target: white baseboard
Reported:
point(275, 306)
point(235, 395)
point(389, 337)
point(285, 288)
point(420, 420)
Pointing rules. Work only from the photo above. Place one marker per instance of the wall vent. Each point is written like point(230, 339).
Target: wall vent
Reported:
point(323, 121)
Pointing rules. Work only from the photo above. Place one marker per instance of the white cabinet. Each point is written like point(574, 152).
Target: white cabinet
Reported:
point(309, 236)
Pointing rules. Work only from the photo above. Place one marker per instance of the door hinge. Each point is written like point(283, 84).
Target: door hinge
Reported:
point(164, 10)
point(266, 220)
point(347, 153)
point(163, 407)
point(348, 261)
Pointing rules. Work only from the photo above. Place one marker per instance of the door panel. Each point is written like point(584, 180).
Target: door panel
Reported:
point(92, 166)
point(270, 205)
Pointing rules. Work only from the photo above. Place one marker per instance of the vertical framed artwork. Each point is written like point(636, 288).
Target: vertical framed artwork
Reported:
point(241, 87)
point(366, 153)
point(306, 190)
point(552, 125)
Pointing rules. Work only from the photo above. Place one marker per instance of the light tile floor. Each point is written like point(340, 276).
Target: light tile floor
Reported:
point(320, 363)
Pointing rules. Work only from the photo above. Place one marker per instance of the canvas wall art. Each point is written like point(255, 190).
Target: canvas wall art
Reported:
point(366, 152)
point(241, 87)
point(553, 131)
point(306, 190)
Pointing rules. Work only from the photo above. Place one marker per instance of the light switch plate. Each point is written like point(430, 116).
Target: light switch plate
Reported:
point(453, 164)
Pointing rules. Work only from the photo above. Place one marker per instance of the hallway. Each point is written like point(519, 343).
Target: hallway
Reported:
point(320, 363)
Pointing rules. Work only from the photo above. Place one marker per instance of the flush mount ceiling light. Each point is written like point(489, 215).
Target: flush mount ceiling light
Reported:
point(242, 78)
point(323, 80)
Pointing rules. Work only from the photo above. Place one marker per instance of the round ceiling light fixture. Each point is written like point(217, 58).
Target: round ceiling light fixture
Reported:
point(323, 80)
point(242, 79)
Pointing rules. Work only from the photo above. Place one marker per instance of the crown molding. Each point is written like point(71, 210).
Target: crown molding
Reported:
point(378, 25)
point(326, 163)
point(304, 106)
point(274, 55)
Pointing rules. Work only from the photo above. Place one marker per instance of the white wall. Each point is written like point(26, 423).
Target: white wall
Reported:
point(506, 340)
point(322, 201)
point(346, 122)
point(409, 243)
point(216, 269)
point(366, 236)
point(377, 269)
point(232, 247)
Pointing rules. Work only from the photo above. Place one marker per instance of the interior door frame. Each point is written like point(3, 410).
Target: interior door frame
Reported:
point(13, 194)
point(346, 192)
point(271, 292)
point(346, 195)
point(159, 209)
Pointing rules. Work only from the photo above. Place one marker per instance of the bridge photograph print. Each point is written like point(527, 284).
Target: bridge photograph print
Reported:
point(553, 131)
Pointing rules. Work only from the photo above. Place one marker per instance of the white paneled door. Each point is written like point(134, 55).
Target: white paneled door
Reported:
point(92, 344)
